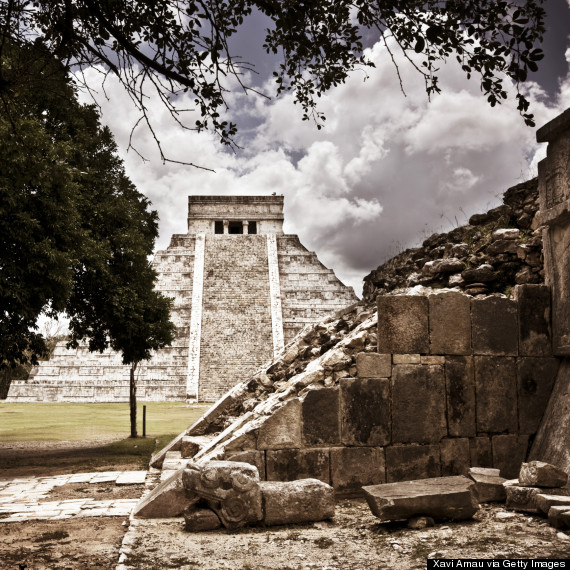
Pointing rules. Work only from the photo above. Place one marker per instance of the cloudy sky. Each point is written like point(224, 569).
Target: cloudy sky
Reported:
point(386, 171)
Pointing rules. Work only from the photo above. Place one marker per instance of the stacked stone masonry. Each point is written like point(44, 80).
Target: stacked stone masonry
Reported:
point(241, 317)
point(456, 382)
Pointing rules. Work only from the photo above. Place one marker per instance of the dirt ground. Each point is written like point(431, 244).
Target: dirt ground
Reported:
point(353, 540)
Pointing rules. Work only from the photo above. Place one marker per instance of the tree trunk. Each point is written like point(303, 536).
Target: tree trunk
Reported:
point(133, 400)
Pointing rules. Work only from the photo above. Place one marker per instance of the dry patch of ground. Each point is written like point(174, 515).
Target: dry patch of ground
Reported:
point(354, 540)
point(82, 544)
point(96, 491)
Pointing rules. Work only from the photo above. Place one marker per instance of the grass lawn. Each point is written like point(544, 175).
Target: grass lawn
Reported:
point(39, 424)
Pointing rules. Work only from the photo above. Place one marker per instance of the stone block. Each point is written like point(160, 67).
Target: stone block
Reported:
point(509, 451)
point(321, 422)
point(494, 326)
point(533, 302)
point(282, 430)
point(230, 489)
point(488, 488)
point(495, 381)
point(440, 498)
point(353, 467)
point(460, 388)
point(365, 411)
point(200, 520)
point(409, 462)
point(418, 404)
point(559, 517)
point(481, 452)
point(552, 442)
point(541, 474)
point(292, 464)
point(297, 502)
point(535, 380)
point(403, 324)
point(432, 359)
point(450, 323)
point(373, 365)
point(406, 359)
point(488, 471)
point(167, 499)
point(544, 501)
point(522, 498)
point(455, 456)
point(189, 447)
point(255, 458)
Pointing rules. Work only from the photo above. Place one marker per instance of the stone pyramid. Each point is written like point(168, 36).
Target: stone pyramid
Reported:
point(242, 289)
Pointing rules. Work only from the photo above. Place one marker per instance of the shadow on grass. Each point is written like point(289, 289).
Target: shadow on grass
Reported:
point(124, 455)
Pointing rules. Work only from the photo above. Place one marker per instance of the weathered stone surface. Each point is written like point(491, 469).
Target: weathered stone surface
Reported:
point(292, 464)
point(533, 303)
point(365, 411)
point(282, 429)
point(189, 447)
point(488, 488)
point(231, 490)
point(494, 326)
point(448, 265)
point(559, 517)
point(509, 451)
point(552, 442)
point(482, 274)
point(455, 456)
point(409, 462)
point(353, 467)
point(320, 412)
point(541, 474)
point(450, 323)
point(481, 452)
point(544, 501)
point(336, 359)
point(403, 324)
point(495, 380)
point(167, 499)
point(440, 498)
point(406, 359)
point(373, 365)
point(418, 404)
point(460, 387)
point(297, 501)
point(522, 498)
point(255, 458)
point(420, 522)
point(488, 471)
point(535, 380)
point(200, 520)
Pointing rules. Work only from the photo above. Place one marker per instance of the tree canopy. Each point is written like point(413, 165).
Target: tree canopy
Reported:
point(174, 47)
point(75, 234)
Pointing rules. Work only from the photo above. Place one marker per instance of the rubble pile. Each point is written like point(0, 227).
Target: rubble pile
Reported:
point(495, 251)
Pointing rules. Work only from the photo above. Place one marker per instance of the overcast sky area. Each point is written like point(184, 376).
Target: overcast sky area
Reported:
point(387, 170)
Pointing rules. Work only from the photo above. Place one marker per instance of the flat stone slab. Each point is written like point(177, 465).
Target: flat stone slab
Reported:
point(439, 498)
point(490, 471)
point(131, 478)
point(305, 500)
point(541, 474)
point(544, 502)
point(524, 498)
point(489, 488)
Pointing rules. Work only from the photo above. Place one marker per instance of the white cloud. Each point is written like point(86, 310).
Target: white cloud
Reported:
point(386, 170)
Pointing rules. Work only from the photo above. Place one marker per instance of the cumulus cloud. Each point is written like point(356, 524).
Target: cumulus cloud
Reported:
point(386, 171)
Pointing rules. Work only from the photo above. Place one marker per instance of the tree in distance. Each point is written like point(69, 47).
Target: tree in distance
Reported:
point(178, 47)
point(75, 234)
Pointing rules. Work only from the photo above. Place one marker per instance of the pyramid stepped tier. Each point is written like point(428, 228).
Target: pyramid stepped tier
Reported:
point(241, 290)
point(309, 291)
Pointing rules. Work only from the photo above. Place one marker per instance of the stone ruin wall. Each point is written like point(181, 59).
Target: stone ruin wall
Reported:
point(466, 385)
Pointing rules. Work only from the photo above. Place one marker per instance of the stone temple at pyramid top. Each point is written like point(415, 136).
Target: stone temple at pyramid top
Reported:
point(241, 290)
point(235, 214)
